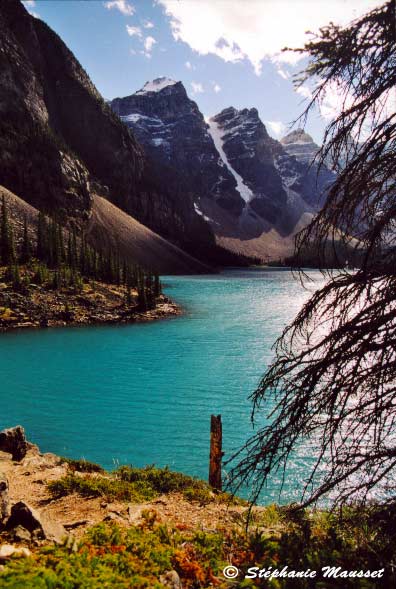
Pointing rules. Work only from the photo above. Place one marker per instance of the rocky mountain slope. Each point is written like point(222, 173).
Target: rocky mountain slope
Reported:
point(111, 226)
point(301, 145)
point(61, 144)
point(253, 191)
point(198, 184)
point(174, 133)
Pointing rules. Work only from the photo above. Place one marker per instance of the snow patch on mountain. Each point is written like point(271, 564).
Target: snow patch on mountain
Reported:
point(217, 136)
point(200, 213)
point(156, 85)
point(137, 117)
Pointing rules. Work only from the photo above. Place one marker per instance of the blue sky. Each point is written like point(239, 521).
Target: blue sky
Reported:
point(226, 52)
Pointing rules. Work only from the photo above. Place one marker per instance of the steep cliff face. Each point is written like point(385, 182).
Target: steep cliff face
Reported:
point(248, 187)
point(34, 162)
point(308, 180)
point(60, 143)
point(249, 151)
point(175, 135)
point(57, 132)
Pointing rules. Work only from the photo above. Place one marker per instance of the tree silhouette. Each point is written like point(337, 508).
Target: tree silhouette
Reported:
point(333, 380)
point(26, 253)
point(7, 247)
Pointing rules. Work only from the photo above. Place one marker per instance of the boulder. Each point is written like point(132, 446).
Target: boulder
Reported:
point(21, 534)
point(7, 551)
point(4, 500)
point(171, 579)
point(40, 524)
point(13, 441)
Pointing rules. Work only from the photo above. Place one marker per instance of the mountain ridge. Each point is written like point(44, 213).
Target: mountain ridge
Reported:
point(246, 185)
point(60, 143)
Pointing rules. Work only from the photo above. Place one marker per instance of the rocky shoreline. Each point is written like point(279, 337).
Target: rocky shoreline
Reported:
point(30, 516)
point(97, 304)
point(48, 539)
point(69, 523)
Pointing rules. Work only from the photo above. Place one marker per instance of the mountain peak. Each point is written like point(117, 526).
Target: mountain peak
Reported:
point(157, 85)
point(297, 136)
point(300, 145)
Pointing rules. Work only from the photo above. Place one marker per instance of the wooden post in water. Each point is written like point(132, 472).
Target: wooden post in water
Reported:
point(216, 454)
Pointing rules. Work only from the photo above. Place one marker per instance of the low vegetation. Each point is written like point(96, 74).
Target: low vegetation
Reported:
point(82, 465)
point(128, 483)
point(141, 556)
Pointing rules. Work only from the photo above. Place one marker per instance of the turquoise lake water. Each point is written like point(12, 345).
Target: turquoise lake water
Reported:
point(144, 393)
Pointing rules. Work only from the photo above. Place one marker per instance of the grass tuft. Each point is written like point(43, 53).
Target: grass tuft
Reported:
point(129, 483)
point(82, 465)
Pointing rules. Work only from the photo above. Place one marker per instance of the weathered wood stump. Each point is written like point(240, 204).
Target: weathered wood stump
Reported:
point(216, 454)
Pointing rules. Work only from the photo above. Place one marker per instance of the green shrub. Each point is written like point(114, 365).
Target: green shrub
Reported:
point(114, 558)
point(82, 465)
point(112, 489)
point(163, 480)
point(129, 483)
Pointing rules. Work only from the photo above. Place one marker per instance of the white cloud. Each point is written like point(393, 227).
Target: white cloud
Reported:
point(29, 4)
point(333, 101)
point(189, 65)
point(148, 24)
point(234, 30)
point(132, 52)
point(149, 43)
point(134, 31)
point(305, 92)
point(122, 5)
point(277, 127)
point(216, 87)
point(197, 88)
point(283, 74)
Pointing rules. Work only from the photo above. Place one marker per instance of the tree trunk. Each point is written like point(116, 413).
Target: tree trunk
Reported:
point(216, 454)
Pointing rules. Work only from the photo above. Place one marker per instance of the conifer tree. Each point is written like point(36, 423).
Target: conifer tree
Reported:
point(332, 385)
point(13, 276)
point(69, 256)
point(42, 238)
point(83, 255)
point(128, 296)
point(124, 272)
point(11, 252)
point(56, 280)
point(142, 297)
point(16, 277)
point(61, 242)
point(5, 249)
point(117, 268)
point(74, 254)
point(157, 286)
point(26, 249)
